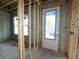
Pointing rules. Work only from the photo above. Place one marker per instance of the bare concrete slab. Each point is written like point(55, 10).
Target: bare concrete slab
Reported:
point(48, 54)
point(8, 51)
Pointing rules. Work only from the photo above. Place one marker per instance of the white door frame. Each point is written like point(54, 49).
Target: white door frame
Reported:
point(53, 45)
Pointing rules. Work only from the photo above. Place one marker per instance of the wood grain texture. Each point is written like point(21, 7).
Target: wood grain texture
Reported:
point(30, 28)
point(69, 13)
point(21, 29)
point(74, 27)
point(35, 24)
point(38, 24)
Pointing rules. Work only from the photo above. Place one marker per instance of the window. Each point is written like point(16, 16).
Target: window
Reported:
point(50, 24)
point(25, 25)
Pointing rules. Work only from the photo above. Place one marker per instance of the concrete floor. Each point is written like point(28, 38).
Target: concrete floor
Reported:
point(8, 51)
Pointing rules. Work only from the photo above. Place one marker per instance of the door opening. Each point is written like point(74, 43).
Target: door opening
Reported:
point(51, 22)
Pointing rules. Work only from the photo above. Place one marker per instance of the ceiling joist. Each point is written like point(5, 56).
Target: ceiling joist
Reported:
point(38, 2)
point(8, 4)
point(16, 6)
point(11, 5)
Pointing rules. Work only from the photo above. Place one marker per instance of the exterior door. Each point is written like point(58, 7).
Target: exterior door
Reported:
point(51, 23)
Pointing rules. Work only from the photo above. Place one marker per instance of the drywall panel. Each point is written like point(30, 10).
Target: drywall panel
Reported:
point(0, 28)
point(8, 26)
point(4, 26)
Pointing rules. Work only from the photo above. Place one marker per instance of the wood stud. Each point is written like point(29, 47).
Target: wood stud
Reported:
point(69, 11)
point(38, 23)
point(21, 29)
point(36, 35)
point(76, 26)
point(35, 20)
point(73, 20)
point(30, 28)
point(20, 8)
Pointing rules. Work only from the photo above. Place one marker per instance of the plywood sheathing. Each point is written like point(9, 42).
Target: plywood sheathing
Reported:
point(69, 13)
point(74, 27)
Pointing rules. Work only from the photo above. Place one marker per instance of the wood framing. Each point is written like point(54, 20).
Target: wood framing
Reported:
point(30, 28)
point(41, 24)
point(7, 4)
point(38, 24)
point(69, 13)
point(77, 41)
point(21, 29)
point(49, 4)
point(76, 27)
point(73, 28)
point(38, 2)
point(16, 7)
point(35, 20)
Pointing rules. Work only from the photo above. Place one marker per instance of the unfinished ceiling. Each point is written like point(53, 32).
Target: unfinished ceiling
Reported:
point(10, 5)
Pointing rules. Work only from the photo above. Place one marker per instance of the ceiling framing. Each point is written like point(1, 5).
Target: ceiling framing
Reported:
point(11, 5)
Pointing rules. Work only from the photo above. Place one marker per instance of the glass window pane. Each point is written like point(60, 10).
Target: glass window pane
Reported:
point(15, 21)
point(25, 25)
point(50, 33)
point(26, 20)
point(50, 19)
point(15, 29)
point(25, 30)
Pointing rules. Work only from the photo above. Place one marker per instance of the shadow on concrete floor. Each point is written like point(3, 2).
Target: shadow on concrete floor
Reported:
point(8, 51)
